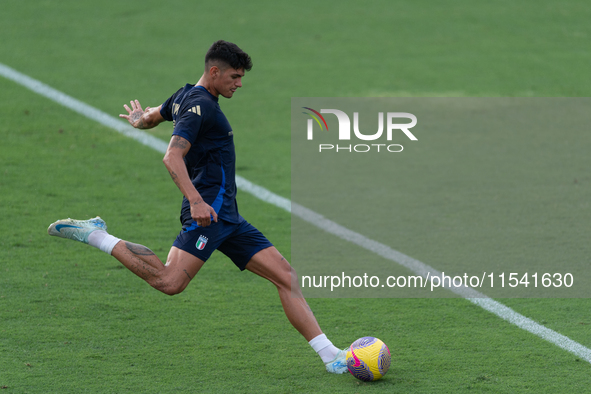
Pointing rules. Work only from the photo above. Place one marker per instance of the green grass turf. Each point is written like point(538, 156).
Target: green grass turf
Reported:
point(72, 320)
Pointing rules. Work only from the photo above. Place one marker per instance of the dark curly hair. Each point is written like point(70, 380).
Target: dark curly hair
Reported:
point(229, 54)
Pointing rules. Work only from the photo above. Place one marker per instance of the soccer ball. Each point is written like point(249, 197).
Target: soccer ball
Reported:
point(368, 359)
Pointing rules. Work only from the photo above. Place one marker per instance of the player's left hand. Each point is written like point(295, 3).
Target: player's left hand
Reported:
point(203, 213)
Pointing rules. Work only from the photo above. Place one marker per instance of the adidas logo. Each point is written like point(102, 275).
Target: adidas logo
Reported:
point(195, 110)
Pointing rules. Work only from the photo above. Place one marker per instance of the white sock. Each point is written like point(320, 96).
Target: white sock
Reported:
point(324, 347)
point(102, 240)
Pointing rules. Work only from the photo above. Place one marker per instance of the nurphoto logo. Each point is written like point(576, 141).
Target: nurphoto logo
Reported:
point(344, 132)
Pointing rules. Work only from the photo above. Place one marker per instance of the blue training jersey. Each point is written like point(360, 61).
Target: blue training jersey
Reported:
point(211, 160)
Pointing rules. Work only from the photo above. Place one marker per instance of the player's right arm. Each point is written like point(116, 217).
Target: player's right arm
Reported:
point(141, 119)
point(201, 212)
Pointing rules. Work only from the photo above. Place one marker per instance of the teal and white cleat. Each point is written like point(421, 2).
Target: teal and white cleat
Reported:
point(78, 230)
point(339, 364)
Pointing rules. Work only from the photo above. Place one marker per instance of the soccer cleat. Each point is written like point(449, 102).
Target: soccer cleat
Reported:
point(339, 364)
point(78, 230)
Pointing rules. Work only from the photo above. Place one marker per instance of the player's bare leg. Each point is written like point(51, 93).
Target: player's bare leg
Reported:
point(271, 265)
point(181, 267)
point(171, 278)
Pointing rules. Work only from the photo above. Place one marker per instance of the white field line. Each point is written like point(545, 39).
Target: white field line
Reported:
point(309, 216)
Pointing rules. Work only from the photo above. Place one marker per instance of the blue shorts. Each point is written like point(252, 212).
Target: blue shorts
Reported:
point(238, 241)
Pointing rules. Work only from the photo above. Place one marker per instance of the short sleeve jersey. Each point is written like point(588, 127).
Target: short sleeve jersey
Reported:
point(211, 159)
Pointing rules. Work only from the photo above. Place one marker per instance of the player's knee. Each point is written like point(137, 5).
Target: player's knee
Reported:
point(170, 288)
point(284, 275)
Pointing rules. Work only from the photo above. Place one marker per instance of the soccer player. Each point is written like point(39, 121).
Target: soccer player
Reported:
point(201, 161)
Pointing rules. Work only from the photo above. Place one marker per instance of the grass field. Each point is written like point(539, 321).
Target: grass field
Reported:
point(73, 320)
